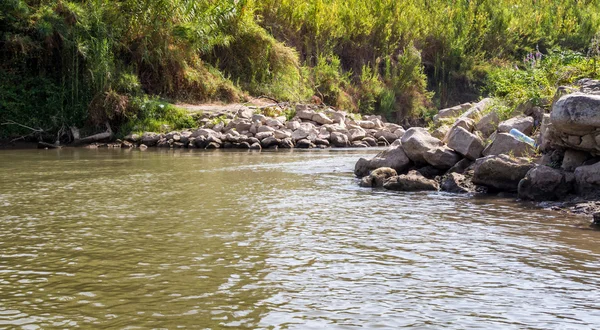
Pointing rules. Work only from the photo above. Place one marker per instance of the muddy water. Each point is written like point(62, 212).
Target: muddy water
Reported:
point(168, 239)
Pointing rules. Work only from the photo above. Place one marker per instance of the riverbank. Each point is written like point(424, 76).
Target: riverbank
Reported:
point(540, 154)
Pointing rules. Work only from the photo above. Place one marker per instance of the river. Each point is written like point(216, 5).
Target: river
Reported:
point(274, 240)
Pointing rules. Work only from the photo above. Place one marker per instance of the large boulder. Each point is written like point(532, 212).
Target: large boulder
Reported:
point(378, 177)
point(501, 172)
point(413, 181)
point(543, 183)
point(588, 179)
point(507, 144)
point(441, 157)
point(477, 109)
point(576, 114)
point(417, 141)
point(521, 123)
point(465, 143)
point(150, 139)
point(356, 134)
point(393, 157)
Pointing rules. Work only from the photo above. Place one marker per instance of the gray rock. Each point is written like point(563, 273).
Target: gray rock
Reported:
point(255, 146)
point(477, 109)
point(461, 166)
point(576, 114)
point(588, 179)
point(150, 139)
point(417, 141)
point(371, 141)
point(521, 123)
point(457, 183)
point(305, 114)
point(393, 157)
point(506, 144)
point(366, 124)
point(143, 147)
point(451, 112)
point(278, 134)
point(573, 159)
point(321, 118)
point(359, 144)
point(378, 177)
point(212, 145)
point(339, 139)
point(356, 134)
point(441, 157)
point(304, 144)
point(488, 123)
point(413, 181)
point(389, 136)
point(286, 143)
point(543, 183)
point(263, 135)
point(269, 142)
point(500, 172)
point(465, 143)
point(441, 132)
point(321, 142)
point(245, 112)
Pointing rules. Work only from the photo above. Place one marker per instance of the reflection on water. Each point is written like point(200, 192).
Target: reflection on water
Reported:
point(167, 239)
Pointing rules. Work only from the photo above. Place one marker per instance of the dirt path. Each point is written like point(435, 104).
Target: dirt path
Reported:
point(226, 107)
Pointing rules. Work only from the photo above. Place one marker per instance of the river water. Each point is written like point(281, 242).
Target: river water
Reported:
point(274, 240)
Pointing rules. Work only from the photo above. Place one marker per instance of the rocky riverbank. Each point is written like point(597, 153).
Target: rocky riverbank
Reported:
point(269, 128)
point(476, 154)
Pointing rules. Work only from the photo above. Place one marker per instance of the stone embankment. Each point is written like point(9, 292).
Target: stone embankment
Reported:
point(477, 154)
point(247, 128)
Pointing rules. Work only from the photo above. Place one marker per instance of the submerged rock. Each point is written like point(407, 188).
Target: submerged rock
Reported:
point(378, 177)
point(457, 183)
point(413, 181)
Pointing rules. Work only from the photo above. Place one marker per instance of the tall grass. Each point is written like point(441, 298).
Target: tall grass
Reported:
point(83, 62)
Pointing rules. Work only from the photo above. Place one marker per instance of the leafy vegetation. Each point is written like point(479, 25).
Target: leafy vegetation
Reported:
point(87, 62)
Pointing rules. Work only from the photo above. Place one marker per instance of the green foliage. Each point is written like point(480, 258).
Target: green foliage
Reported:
point(537, 83)
point(151, 114)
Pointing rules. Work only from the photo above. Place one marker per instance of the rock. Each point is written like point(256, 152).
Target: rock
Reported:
point(588, 179)
point(430, 172)
point(245, 112)
point(366, 124)
point(274, 123)
point(477, 108)
point(370, 141)
point(441, 132)
point(576, 114)
point(242, 125)
point(543, 183)
point(304, 144)
point(465, 143)
point(286, 143)
point(441, 157)
point(126, 145)
point(356, 134)
point(305, 114)
point(413, 181)
point(150, 139)
point(258, 118)
point(255, 146)
point(457, 183)
point(133, 138)
point(278, 134)
point(200, 142)
point(573, 159)
point(292, 125)
point(393, 157)
point(507, 144)
point(263, 135)
point(461, 166)
point(360, 144)
point(143, 147)
point(269, 142)
point(378, 177)
point(389, 136)
point(214, 139)
point(417, 141)
point(244, 145)
point(206, 132)
point(451, 112)
point(521, 123)
point(212, 145)
point(501, 172)
point(339, 139)
point(488, 123)
point(321, 118)
point(399, 132)
point(300, 133)
point(321, 142)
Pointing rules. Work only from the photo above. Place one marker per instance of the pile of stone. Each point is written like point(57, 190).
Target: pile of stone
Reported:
point(310, 128)
point(480, 155)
